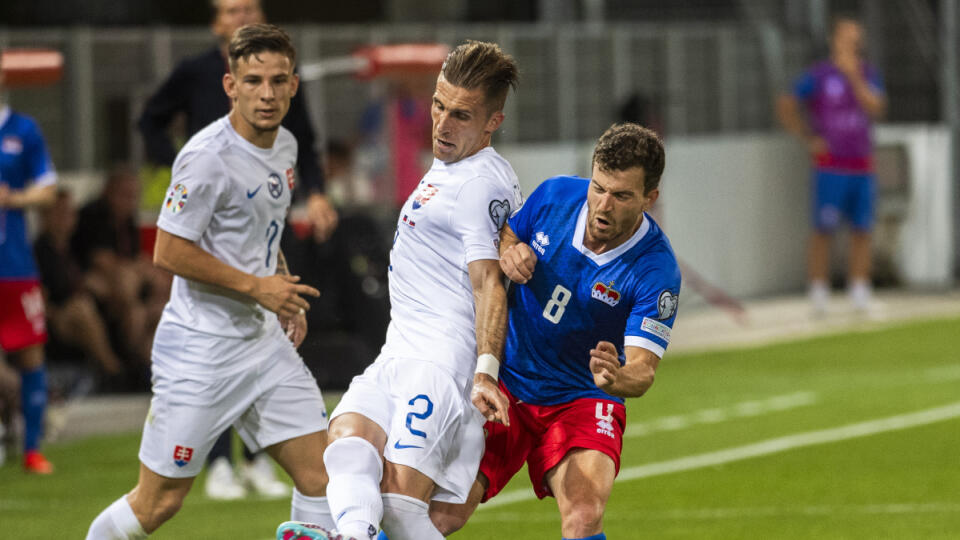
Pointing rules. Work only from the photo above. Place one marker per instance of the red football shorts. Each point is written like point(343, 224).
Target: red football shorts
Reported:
point(22, 318)
point(541, 435)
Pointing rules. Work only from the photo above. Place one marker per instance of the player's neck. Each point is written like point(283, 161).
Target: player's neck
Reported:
point(257, 137)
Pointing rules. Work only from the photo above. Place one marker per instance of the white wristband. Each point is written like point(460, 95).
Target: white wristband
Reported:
point(488, 363)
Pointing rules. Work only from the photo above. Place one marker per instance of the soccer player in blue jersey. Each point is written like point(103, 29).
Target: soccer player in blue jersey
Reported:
point(27, 180)
point(594, 299)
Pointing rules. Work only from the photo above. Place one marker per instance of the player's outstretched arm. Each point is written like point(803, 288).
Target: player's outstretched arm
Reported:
point(29, 197)
point(632, 379)
point(490, 301)
point(278, 293)
point(517, 259)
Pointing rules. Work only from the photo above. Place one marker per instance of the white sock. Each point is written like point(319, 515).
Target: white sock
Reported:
point(407, 518)
point(353, 493)
point(312, 510)
point(117, 522)
point(819, 295)
point(860, 293)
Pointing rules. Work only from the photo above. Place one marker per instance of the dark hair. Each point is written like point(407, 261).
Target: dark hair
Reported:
point(628, 145)
point(254, 39)
point(477, 64)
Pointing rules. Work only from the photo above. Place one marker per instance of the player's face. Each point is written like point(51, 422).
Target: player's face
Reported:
point(615, 206)
point(232, 14)
point(260, 88)
point(462, 123)
point(847, 38)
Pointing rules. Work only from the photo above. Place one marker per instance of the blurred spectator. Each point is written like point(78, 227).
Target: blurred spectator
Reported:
point(195, 88)
point(27, 180)
point(72, 314)
point(106, 244)
point(399, 125)
point(345, 185)
point(841, 96)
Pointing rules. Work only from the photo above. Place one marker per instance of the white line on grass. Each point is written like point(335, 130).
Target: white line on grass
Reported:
point(687, 514)
point(765, 448)
point(712, 416)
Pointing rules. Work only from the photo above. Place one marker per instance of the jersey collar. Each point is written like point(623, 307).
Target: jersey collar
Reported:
point(4, 115)
point(606, 256)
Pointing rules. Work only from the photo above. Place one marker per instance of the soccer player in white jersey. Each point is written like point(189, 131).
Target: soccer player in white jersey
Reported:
point(405, 432)
point(220, 355)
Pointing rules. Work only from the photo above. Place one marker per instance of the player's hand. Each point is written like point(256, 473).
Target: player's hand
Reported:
point(322, 215)
point(6, 195)
point(518, 262)
point(817, 146)
point(280, 294)
point(295, 327)
point(489, 400)
point(605, 365)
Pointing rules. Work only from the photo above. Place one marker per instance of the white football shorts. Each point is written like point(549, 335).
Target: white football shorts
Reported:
point(430, 422)
point(273, 400)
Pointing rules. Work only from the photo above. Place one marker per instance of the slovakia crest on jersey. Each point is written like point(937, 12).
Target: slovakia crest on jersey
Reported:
point(605, 293)
point(426, 193)
point(274, 185)
point(291, 179)
point(182, 455)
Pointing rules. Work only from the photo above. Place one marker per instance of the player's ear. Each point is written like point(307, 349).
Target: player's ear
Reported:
point(294, 84)
point(494, 122)
point(650, 198)
point(230, 85)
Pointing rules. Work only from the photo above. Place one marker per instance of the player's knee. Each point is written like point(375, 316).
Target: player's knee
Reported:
point(583, 516)
point(311, 481)
point(161, 509)
point(449, 521)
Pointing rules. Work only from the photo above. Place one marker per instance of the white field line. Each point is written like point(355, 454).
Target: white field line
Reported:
point(715, 415)
point(687, 514)
point(765, 448)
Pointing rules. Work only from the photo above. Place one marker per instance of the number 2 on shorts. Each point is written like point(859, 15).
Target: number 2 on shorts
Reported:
point(557, 304)
point(421, 415)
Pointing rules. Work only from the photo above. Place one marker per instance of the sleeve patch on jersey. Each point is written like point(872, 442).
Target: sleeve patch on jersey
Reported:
point(176, 199)
point(656, 328)
point(667, 305)
point(12, 145)
point(499, 212)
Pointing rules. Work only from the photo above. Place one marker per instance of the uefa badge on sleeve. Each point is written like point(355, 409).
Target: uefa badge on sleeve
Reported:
point(176, 199)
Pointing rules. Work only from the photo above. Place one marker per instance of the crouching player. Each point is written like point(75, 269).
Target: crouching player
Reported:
point(590, 314)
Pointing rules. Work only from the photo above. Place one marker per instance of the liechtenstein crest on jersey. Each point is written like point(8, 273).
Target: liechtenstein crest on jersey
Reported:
point(605, 293)
point(182, 455)
point(426, 193)
point(274, 185)
point(667, 305)
point(291, 179)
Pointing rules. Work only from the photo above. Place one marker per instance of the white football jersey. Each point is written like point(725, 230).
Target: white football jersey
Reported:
point(451, 219)
point(230, 197)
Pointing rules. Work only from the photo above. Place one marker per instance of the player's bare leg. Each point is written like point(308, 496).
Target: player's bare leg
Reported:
point(859, 269)
point(582, 482)
point(157, 498)
point(450, 518)
point(818, 262)
point(406, 504)
point(302, 458)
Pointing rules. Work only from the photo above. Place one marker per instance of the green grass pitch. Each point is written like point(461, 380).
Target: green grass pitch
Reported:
point(865, 444)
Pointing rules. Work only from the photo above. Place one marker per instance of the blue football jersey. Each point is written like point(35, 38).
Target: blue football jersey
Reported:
point(576, 298)
point(24, 160)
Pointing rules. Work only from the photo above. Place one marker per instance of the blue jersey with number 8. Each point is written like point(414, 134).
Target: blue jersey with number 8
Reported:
point(576, 298)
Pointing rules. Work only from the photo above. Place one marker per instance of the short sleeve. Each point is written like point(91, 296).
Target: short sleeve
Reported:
point(194, 193)
point(652, 316)
point(481, 210)
point(40, 169)
point(523, 219)
point(804, 86)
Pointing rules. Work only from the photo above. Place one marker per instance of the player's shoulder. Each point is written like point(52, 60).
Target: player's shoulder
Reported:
point(205, 148)
point(286, 139)
point(486, 163)
point(563, 187)
point(21, 124)
point(655, 253)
